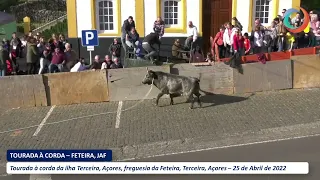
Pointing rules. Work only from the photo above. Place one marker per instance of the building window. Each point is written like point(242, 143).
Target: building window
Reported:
point(171, 12)
point(105, 18)
point(262, 10)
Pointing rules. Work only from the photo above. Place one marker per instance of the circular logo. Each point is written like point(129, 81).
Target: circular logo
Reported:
point(288, 24)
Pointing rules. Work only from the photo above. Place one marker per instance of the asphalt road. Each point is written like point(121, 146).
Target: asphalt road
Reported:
point(147, 131)
point(297, 150)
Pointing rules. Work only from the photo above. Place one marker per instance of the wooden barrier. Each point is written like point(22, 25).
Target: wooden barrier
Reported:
point(306, 71)
point(76, 87)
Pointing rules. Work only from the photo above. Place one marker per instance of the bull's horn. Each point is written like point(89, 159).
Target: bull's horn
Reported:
point(147, 68)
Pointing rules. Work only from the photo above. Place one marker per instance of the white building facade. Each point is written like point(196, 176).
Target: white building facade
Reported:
point(107, 17)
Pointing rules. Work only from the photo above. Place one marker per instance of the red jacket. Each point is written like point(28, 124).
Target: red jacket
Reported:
point(238, 42)
point(219, 38)
point(247, 44)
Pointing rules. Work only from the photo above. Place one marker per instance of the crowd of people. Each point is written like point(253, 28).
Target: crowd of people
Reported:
point(56, 54)
point(151, 43)
point(46, 56)
point(230, 40)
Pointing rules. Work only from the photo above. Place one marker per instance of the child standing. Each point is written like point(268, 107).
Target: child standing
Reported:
point(247, 44)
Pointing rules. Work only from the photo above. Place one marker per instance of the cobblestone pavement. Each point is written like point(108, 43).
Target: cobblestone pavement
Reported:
point(146, 130)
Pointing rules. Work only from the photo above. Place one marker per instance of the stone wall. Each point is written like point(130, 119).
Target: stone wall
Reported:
point(41, 11)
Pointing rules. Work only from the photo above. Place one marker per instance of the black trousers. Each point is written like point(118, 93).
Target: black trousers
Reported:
point(228, 52)
point(31, 68)
point(222, 51)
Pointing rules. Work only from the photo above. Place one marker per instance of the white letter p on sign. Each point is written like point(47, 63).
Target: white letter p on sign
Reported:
point(89, 36)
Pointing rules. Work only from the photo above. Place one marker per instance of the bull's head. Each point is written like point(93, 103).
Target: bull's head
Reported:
point(149, 77)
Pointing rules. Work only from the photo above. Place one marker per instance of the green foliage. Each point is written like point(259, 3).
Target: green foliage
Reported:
point(311, 4)
point(6, 4)
point(59, 28)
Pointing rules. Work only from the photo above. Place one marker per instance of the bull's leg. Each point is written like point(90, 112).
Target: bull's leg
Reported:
point(158, 97)
point(198, 97)
point(171, 99)
point(191, 99)
point(173, 96)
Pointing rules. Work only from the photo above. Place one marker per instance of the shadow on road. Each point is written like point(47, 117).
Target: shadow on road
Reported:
point(220, 99)
point(214, 100)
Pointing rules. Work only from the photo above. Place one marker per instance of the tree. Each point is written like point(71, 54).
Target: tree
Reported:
point(6, 4)
point(310, 5)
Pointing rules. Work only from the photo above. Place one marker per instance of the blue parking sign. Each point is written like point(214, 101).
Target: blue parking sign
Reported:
point(89, 38)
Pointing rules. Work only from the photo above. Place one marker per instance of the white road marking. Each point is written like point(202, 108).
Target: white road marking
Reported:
point(118, 114)
point(44, 121)
point(225, 147)
point(40, 177)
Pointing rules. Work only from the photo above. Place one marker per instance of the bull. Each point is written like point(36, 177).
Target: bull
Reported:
point(174, 86)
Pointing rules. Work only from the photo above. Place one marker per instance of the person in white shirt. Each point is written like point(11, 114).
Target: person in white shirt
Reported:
point(257, 40)
point(80, 66)
point(192, 35)
point(228, 34)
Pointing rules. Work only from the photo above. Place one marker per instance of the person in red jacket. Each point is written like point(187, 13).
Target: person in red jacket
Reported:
point(217, 45)
point(238, 43)
point(247, 44)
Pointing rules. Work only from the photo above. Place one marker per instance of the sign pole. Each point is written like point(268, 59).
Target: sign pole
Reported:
point(89, 39)
point(90, 57)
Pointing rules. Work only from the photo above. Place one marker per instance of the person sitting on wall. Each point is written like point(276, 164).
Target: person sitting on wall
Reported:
point(148, 45)
point(71, 57)
point(106, 63)
point(115, 49)
point(58, 58)
point(128, 24)
point(132, 40)
point(158, 27)
point(192, 36)
point(79, 66)
point(45, 60)
point(116, 64)
point(96, 63)
point(176, 49)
